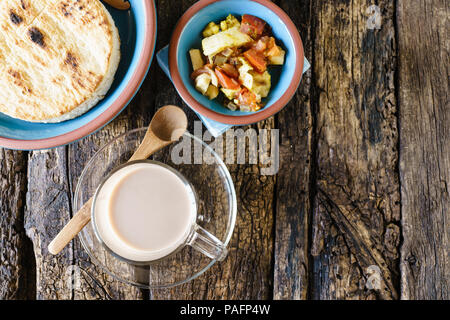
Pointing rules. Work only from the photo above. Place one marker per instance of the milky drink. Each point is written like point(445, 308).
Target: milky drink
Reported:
point(144, 211)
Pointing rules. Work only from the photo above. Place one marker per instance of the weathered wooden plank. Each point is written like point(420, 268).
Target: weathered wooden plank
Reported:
point(16, 255)
point(293, 180)
point(101, 285)
point(52, 178)
point(69, 275)
point(47, 211)
point(246, 273)
point(356, 232)
point(49, 208)
point(424, 148)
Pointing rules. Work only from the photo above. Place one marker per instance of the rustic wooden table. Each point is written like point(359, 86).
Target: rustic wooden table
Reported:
point(363, 183)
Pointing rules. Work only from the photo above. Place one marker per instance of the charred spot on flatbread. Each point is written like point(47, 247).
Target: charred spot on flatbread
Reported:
point(71, 60)
point(19, 81)
point(36, 36)
point(15, 18)
point(66, 9)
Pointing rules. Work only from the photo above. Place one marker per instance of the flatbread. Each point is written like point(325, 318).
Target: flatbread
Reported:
point(58, 58)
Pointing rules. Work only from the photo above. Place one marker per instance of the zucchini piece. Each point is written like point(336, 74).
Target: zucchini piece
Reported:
point(229, 93)
point(261, 83)
point(230, 38)
point(211, 29)
point(212, 92)
point(196, 59)
point(229, 22)
point(202, 82)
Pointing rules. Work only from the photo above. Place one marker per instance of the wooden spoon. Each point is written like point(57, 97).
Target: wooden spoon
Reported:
point(167, 126)
point(118, 4)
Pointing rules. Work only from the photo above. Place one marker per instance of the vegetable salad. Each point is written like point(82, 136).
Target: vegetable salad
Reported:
point(234, 60)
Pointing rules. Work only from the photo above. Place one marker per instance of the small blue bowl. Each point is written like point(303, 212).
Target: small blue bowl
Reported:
point(137, 28)
point(188, 35)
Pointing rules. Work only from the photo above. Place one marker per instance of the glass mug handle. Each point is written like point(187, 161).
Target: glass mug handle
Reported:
point(206, 243)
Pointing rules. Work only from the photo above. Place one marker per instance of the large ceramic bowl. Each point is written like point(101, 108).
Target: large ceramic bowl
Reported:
point(137, 28)
point(187, 35)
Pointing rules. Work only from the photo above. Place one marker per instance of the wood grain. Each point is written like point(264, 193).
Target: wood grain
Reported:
point(47, 211)
point(246, 273)
point(137, 115)
point(16, 256)
point(352, 187)
point(293, 207)
point(356, 207)
point(424, 148)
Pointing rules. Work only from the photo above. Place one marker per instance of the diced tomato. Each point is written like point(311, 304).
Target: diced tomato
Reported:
point(248, 98)
point(260, 45)
point(230, 70)
point(264, 44)
point(247, 29)
point(225, 81)
point(256, 59)
point(252, 26)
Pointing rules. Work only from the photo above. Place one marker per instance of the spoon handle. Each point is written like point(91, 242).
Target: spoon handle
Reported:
point(71, 229)
point(149, 146)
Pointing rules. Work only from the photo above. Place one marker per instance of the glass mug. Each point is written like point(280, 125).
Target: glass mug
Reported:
point(191, 234)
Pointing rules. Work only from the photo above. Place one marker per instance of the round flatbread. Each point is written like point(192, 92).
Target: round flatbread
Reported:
point(57, 57)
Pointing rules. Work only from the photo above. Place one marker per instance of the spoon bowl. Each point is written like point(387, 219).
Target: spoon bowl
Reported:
point(169, 123)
